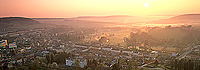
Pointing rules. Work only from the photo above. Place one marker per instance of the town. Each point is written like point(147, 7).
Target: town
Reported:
point(70, 48)
point(99, 35)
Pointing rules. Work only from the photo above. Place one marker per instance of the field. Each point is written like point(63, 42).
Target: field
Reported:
point(32, 26)
point(119, 34)
point(169, 48)
point(167, 33)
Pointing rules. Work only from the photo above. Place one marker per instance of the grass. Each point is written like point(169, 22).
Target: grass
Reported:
point(168, 33)
point(119, 34)
point(32, 26)
point(169, 48)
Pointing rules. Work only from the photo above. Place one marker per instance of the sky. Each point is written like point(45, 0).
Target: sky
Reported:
point(74, 8)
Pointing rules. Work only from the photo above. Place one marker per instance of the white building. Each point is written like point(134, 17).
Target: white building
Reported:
point(12, 45)
point(69, 62)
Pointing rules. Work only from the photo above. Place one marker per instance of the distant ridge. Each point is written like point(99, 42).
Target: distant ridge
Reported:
point(47, 18)
point(20, 20)
point(104, 16)
point(13, 22)
point(12, 17)
point(185, 18)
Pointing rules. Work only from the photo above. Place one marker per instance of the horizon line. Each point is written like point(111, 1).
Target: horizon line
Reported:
point(93, 16)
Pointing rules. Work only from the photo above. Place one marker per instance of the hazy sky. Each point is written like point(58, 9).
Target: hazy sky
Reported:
point(74, 8)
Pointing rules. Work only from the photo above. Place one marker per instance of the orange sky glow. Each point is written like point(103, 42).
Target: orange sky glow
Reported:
point(74, 8)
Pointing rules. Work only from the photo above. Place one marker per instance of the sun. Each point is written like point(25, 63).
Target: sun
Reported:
point(146, 4)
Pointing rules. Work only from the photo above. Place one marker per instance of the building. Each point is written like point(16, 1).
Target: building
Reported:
point(3, 43)
point(12, 45)
point(69, 62)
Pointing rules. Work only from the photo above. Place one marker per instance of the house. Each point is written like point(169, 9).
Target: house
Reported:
point(62, 46)
point(59, 50)
point(69, 62)
point(1, 54)
point(21, 50)
point(154, 53)
point(30, 56)
point(192, 56)
point(1, 35)
point(10, 65)
point(81, 46)
point(135, 54)
point(13, 35)
point(50, 48)
point(28, 48)
point(12, 45)
point(3, 43)
point(196, 50)
point(83, 63)
point(85, 50)
point(19, 61)
point(97, 44)
point(174, 54)
point(46, 52)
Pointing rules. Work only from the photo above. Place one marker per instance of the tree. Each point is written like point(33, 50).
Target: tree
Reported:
point(115, 67)
point(43, 60)
point(54, 65)
point(35, 63)
point(52, 57)
point(155, 63)
point(103, 40)
point(48, 58)
point(95, 62)
point(130, 65)
point(100, 66)
point(185, 64)
point(189, 26)
point(76, 63)
point(135, 64)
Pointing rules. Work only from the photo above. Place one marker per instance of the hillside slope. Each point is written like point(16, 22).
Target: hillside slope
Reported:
point(11, 23)
point(186, 18)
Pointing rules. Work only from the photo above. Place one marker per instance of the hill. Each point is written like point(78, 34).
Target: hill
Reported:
point(11, 23)
point(17, 21)
point(186, 18)
point(112, 16)
point(98, 20)
point(168, 33)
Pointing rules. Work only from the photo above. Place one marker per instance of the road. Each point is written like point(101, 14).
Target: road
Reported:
point(106, 49)
point(147, 64)
point(185, 53)
point(68, 51)
point(151, 68)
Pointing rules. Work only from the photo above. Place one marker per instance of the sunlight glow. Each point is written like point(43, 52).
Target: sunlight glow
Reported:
point(146, 5)
point(74, 8)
